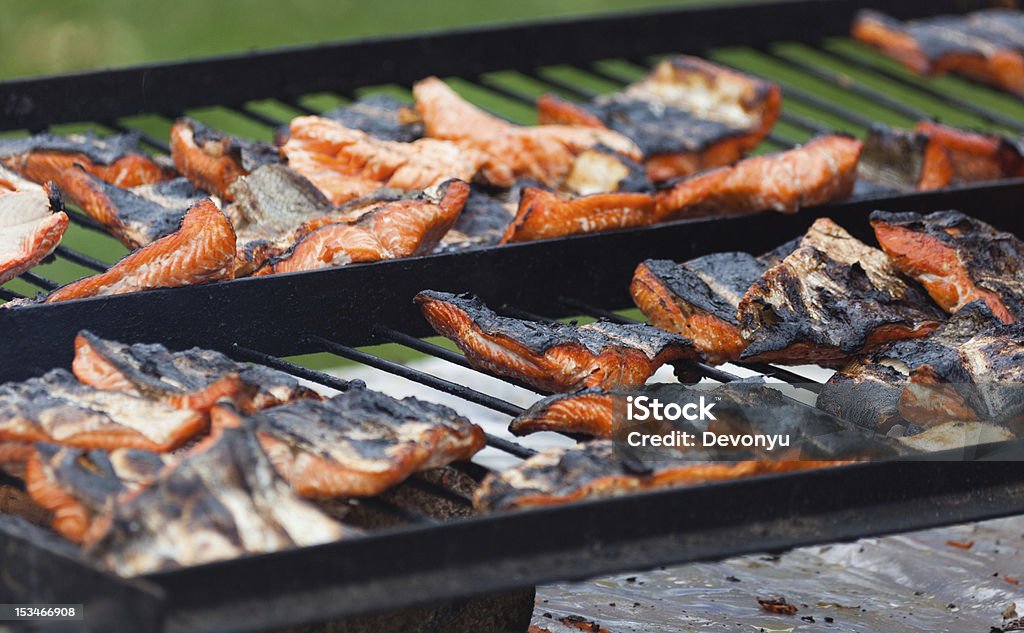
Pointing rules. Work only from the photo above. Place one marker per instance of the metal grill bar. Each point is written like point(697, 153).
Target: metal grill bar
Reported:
point(81, 259)
point(255, 356)
point(146, 138)
point(9, 295)
point(39, 280)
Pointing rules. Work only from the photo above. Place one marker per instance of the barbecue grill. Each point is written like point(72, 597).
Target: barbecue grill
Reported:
point(421, 559)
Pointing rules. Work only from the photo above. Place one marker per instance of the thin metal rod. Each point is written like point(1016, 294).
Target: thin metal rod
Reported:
point(10, 295)
point(974, 108)
point(39, 280)
point(579, 92)
point(85, 221)
point(254, 115)
point(81, 259)
point(313, 375)
point(298, 105)
point(146, 138)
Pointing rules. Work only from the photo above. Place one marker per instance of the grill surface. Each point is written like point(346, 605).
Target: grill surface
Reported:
point(340, 311)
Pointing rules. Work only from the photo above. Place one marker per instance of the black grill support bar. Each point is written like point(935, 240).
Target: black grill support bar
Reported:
point(146, 138)
point(81, 259)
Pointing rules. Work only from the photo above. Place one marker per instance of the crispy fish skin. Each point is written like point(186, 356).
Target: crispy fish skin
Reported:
point(32, 223)
point(986, 46)
point(686, 115)
point(593, 469)
point(545, 152)
point(587, 412)
point(361, 442)
point(191, 379)
point(556, 357)
point(118, 159)
point(903, 160)
point(57, 408)
point(957, 258)
point(222, 501)
point(137, 216)
point(212, 160)
point(975, 156)
point(834, 297)
point(544, 215)
point(200, 251)
point(821, 171)
point(78, 485)
point(346, 163)
point(378, 115)
point(867, 393)
point(402, 228)
point(698, 299)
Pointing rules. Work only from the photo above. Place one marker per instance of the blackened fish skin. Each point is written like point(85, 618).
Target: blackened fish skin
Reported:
point(553, 356)
point(250, 154)
point(103, 151)
point(732, 274)
point(380, 115)
point(957, 258)
point(224, 500)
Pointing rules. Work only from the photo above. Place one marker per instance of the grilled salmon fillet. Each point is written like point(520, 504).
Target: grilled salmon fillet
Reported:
point(32, 223)
point(212, 160)
point(698, 299)
point(957, 258)
point(834, 297)
point(688, 114)
point(588, 412)
point(545, 152)
point(191, 379)
point(346, 163)
point(594, 469)
point(13, 457)
point(986, 46)
point(379, 115)
point(544, 215)
point(115, 159)
point(222, 500)
point(823, 170)
point(137, 216)
point(77, 485)
point(200, 251)
point(360, 443)
point(57, 408)
point(552, 356)
point(401, 228)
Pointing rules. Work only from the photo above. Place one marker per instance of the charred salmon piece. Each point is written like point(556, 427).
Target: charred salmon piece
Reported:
point(545, 152)
point(14, 455)
point(587, 412)
point(698, 299)
point(601, 170)
point(688, 114)
point(484, 217)
point(832, 299)
point(200, 251)
point(866, 391)
point(32, 223)
point(57, 408)
point(192, 379)
point(594, 469)
point(821, 171)
point(975, 156)
point(118, 160)
point(553, 356)
point(902, 160)
point(77, 485)
point(544, 215)
point(986, 46)
point(213, 160)
point(380, 116)
point(223, 500)
point(346, 163)
point(957, 258)
point(957, 434)
point(402, 228)
point(360, 443)
point(136, 216)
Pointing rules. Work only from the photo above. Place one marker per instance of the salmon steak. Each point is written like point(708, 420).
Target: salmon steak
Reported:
point(390, 230)
point(686, 115)
point(986, 46)
point(545, 153)
point(58, 408)
point(213, 160)
point(698, 299)
point(346, 163)
point(380, 116)
point(595, 469)
point(136, 216)
point(545, 215)
point(32, 223)
point(360, 442)
point(200, 251)
point(957, 258)
point(821, 171)
point(191, 379)
point(833, 298)
point(555, 357)
point(118, 159)
point(78, 485)
point(223, 500)
point(589, 412)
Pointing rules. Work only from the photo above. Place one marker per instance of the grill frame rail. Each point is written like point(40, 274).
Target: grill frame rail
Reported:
point(342, 310)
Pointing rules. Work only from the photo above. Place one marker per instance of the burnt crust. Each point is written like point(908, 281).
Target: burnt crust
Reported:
point(735, 271)
point(151, 211)
point(380, 116)
point(101, 150)
point(249, 154)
